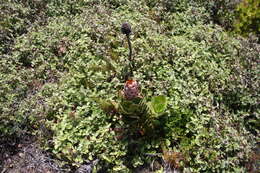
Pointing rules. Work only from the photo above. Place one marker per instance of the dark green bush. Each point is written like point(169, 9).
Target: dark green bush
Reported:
point(222, 12)
point(248, 20)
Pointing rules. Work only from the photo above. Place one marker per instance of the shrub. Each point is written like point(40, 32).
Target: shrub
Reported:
point(222, 12)
point(248, 18)
point(56, 72)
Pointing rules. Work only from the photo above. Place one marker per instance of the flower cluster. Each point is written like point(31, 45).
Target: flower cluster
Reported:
point(131, 89)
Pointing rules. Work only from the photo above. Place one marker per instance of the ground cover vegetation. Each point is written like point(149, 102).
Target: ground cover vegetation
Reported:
point(193, 104)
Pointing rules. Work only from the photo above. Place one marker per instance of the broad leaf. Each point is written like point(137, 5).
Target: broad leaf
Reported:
point(158, 104)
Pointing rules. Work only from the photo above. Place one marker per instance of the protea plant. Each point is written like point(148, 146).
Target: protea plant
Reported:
point(131, 99)
point(131, 89)
point(133, 107)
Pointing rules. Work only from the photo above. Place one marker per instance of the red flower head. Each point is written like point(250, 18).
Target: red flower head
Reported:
point(131, 89)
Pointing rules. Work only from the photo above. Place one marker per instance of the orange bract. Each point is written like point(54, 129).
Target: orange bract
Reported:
point(130, 82)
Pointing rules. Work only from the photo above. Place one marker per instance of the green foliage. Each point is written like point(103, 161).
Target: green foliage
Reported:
point(158, 104)
point(61, 72)
point(133, 108)
point(222, 12)
point(248, 17)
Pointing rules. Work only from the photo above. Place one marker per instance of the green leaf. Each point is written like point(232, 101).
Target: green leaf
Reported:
point(106, 105)
point(159, 104)
point(133, 107)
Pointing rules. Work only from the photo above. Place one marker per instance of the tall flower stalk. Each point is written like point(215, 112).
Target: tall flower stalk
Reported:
point(126, 29)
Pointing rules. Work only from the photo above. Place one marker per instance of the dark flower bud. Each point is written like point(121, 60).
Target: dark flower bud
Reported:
point(126, 28)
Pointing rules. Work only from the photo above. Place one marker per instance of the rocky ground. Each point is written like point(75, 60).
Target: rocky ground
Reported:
point(24, 156)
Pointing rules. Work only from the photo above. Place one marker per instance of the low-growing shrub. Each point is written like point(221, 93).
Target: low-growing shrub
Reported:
point(248, 20)
point(61, 82)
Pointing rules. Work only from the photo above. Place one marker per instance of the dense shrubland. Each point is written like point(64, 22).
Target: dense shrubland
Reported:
point(63, 66)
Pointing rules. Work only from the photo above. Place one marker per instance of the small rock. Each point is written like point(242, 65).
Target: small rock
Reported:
point(21, 154)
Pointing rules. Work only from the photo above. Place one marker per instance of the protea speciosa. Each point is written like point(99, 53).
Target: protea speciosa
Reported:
point(131, 89)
